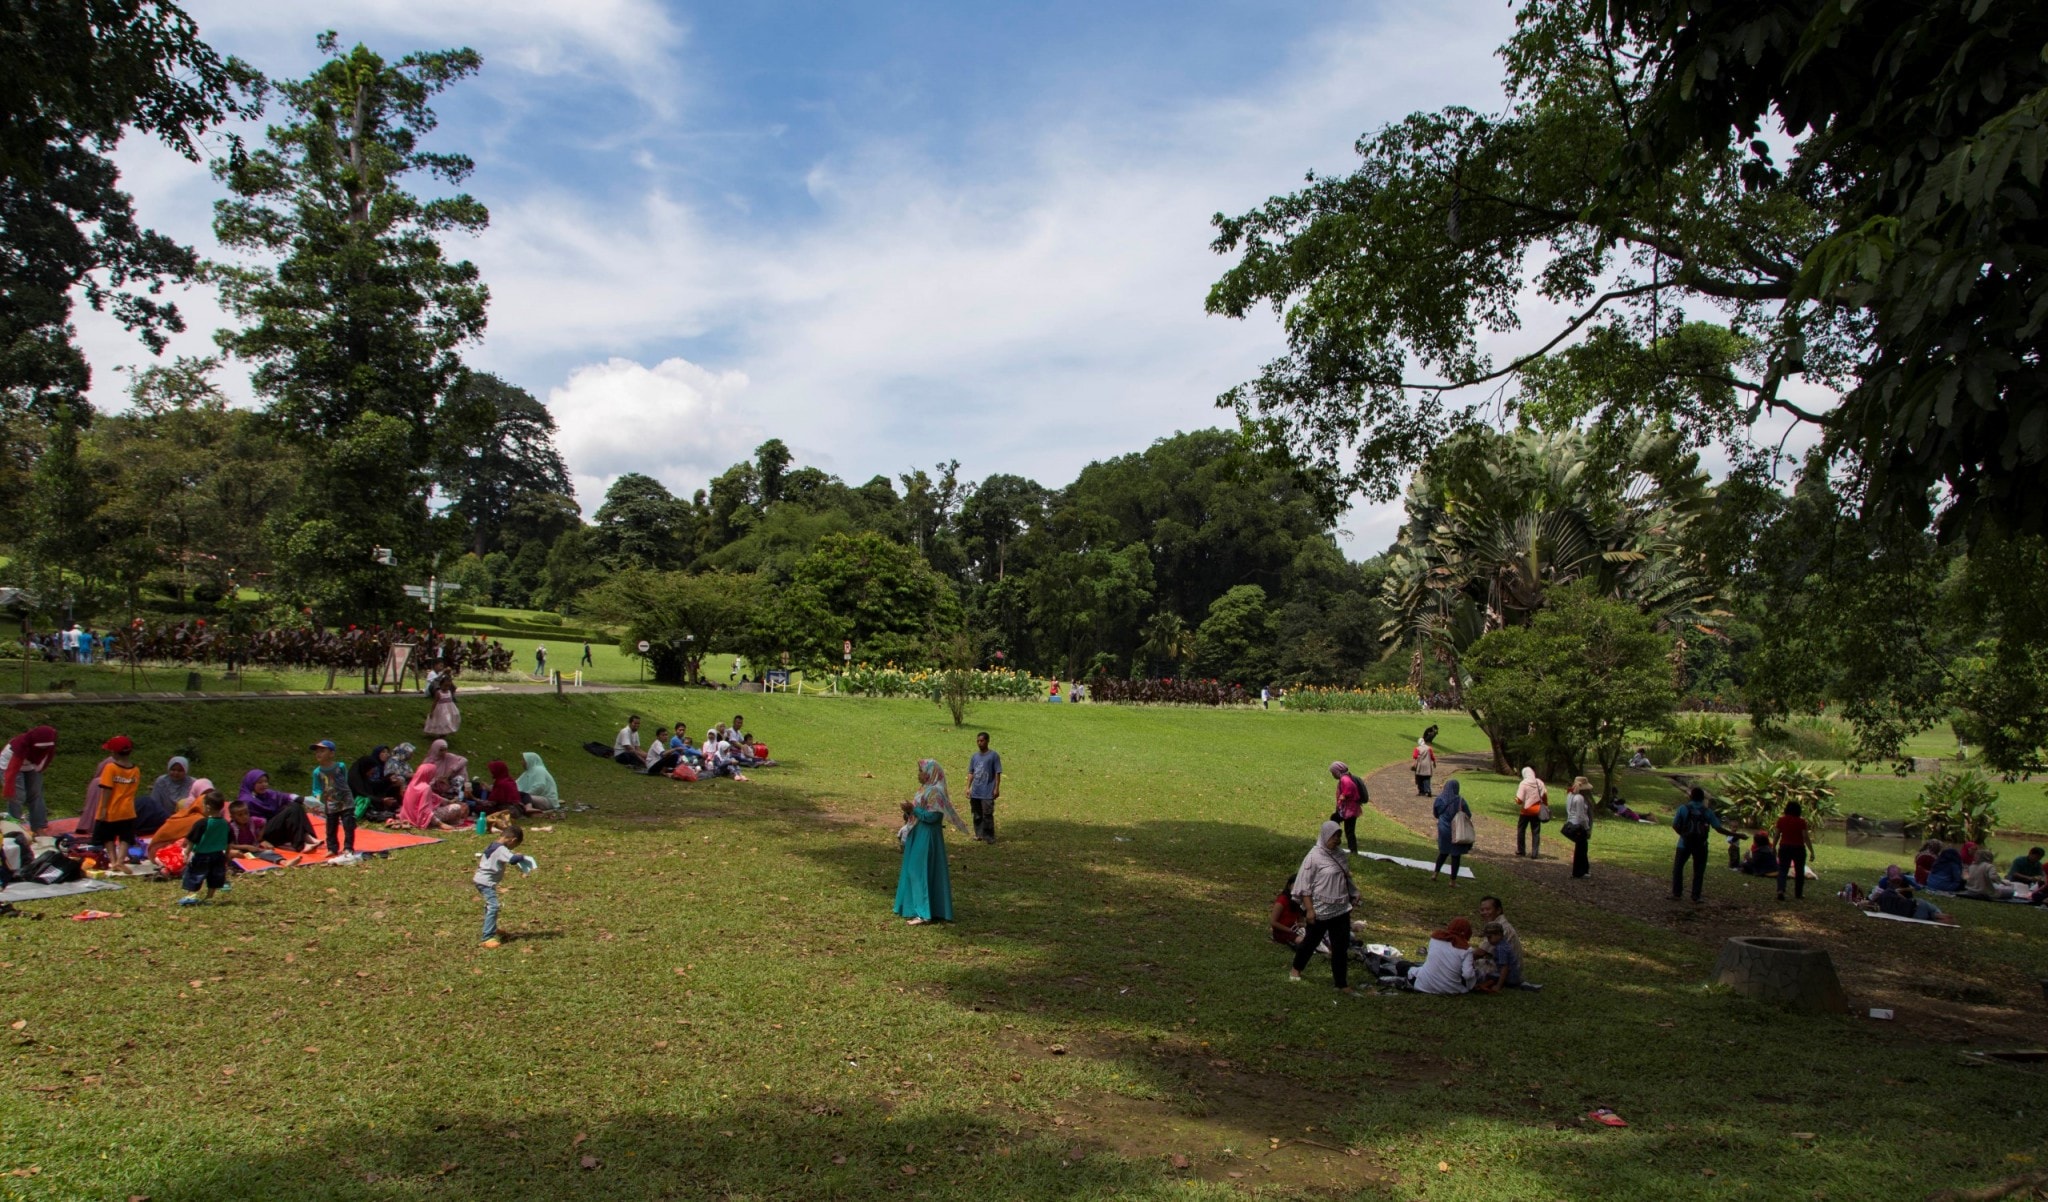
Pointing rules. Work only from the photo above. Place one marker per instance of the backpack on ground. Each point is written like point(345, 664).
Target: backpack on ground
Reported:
point(602, 751)
point(53, 867)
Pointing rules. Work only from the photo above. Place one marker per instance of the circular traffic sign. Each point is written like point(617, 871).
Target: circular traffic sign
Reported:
point(644, 645)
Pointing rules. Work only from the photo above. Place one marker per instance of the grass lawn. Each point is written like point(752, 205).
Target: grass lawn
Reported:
point(707, 996)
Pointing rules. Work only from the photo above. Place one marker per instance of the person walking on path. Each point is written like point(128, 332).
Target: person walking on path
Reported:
point(1422, 762)
point(1533, 796)
point(1453, 829)
point(22, 764)
point(586, 655)
point(984, 787)
point(540, 660)
point(1578, 824)
point(1794, 834)
point(924, 886)
point(1351, 800)
point(1323, 886)
point(1692, 822)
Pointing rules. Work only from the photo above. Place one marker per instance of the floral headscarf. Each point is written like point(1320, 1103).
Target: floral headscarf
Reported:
point(932, 794)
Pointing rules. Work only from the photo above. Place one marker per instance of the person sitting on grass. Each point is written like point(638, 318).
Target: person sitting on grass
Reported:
point(1290, 921)
point(1499, 965)
point(504, 791)
point(1947, 874)
point(537, 786)
point(1923, 860)
point(1763, 858)
point(369, 778)
point(206, 853)
point(2026, 869)
point(626, 745)
point(245, 836)
point(1981, 880)
point(421, 808)
point(1620, 809)
point(169, 792)
point(1641, 759)
point(285, 825)
point(1901, 903)
point(1448, 967)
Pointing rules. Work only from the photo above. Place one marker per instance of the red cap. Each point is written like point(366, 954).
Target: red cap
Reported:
point(119, 745)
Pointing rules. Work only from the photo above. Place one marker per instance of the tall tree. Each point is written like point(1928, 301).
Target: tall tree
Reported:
point(79, 76)
point(507, 458)
point(1897, 252)
point(355, 327)
point(771, 461)
point(642, 524)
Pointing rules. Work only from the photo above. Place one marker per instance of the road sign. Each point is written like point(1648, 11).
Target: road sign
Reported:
point(778, 678)
point(644, 646)
point(847, 646)
point(383, 555)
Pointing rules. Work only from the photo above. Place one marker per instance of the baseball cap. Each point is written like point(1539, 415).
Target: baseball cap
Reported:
point(118, 744)
point(327, 743)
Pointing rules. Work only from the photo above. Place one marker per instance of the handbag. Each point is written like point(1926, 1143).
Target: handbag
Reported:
point(1543, 812)
point(1462, 832)
point(1572, 830)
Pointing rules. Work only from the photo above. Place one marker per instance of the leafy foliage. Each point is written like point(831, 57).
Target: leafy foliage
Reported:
point(1311, 699)
point(1754, 794)
point(1955, 806)
point(1575, 681)
point(681, 617)
point(1702, 739)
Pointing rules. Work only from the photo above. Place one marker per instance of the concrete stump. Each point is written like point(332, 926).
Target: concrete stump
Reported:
point(1785, 971)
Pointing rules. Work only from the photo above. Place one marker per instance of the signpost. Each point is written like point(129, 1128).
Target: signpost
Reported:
point(778, 678)
point(643, 645)
point(431, 592)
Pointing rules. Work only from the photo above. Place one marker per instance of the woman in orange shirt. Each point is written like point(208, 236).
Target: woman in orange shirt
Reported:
point(1793, 837)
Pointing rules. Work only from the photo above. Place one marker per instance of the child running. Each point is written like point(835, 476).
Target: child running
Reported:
point(490, 869)
point(206, 852)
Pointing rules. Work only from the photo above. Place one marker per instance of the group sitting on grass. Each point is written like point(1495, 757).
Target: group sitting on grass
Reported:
point(725, 751)
point(122, 827)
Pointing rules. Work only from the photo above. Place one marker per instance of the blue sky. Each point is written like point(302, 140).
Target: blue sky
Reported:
point(888, 233)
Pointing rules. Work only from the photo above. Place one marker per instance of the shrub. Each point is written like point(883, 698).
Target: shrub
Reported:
point(1377, 699)
point(1955, 806)
point(1702, 739)
point(888, 680)
point(1755, 794)
point(1808, 736)
point(1119, 691)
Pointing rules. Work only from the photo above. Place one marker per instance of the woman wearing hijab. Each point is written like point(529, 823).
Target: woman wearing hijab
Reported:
point(164, 797)
point(285, 825)
point(416, 810)
point(924, 887)
point(451, 771)
point(1578, 824)
point(1422, 762)
point(1532, 797)
point(1350, 802)
point(504, 792)
point(22, 764)
point(537, 784)
point(368, 778)
point(174, 829)
point(1323, 887)
point(1448, 967)
point(1449, 804)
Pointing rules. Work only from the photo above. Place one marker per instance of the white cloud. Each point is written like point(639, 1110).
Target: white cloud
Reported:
point(674, 421)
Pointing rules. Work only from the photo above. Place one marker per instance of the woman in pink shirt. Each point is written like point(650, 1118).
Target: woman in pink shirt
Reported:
point(1350, 801)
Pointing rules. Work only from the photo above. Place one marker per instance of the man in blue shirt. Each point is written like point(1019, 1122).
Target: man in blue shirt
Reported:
point(984, 786)
point(1692, 822)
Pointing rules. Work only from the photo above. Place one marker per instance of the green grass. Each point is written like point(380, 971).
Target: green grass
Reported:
point(709, 997)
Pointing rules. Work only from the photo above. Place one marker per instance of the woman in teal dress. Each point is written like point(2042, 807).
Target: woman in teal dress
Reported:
point(924, 889)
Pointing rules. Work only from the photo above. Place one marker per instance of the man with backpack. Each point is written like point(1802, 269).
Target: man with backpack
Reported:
point(1692, 822)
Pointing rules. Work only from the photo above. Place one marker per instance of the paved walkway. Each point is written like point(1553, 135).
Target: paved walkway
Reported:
point(1877, 967)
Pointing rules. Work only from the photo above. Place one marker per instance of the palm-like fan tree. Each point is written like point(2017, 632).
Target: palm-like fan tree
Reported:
point(1496, 520)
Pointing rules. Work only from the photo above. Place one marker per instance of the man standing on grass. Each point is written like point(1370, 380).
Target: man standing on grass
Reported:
point(540, 661)
point(1692, 822)
point(984, 786)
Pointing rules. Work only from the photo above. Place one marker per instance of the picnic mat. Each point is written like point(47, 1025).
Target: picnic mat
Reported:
point(1464, 873)
point(1925, 922)
point(21, 891)
point(368, 838)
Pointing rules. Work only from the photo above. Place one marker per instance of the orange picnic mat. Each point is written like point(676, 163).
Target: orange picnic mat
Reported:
point(368, 839)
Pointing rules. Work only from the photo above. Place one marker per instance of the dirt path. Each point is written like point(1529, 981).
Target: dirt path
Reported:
point(1877, 967)
point(24, 700)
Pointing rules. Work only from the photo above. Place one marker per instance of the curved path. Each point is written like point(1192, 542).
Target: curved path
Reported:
point(1877, 966)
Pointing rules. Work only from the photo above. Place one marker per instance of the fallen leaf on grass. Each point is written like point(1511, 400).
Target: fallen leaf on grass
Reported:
point(1443, 1166)
point(580, 1137)
point(1237, 1176)
point(18, 1024)
point(448, 1166)
point(839, 1160)
point(590, 1162)
point(1180, 1162)
point(1016, 1076)
point(661, 1045)
point(1803, 1135)
point(910, 1170)
point(30, 1171)
point(1058, 1049)
point(310, 1050)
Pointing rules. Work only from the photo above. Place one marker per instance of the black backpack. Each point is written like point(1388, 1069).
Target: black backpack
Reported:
point(1364, 797)
point(1693, 824)
point(67, 869)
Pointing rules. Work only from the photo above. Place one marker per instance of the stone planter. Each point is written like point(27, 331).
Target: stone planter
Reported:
point(1785, 971)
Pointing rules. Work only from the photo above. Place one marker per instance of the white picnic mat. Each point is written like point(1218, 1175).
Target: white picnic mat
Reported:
point(1464, 873)
point(1925, 922)
point(21, 891)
